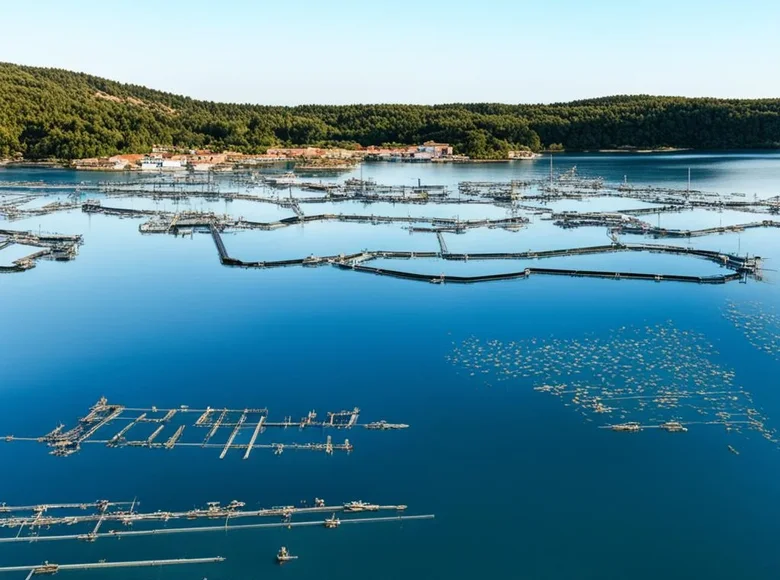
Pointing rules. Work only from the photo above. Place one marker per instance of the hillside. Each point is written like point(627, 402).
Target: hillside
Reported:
point(47, 113)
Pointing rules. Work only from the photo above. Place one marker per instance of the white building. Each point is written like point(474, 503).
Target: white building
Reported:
point(151, 163)
point(157, 163)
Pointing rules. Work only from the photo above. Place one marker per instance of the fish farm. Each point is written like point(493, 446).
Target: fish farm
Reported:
point(236, 278)
point(659, 378)
point(522, 202)
point(212, 422)
point(50, 568)
point(760, 325)
point(35, 523)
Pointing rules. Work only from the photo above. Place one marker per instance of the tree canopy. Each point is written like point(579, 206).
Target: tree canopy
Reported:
point(53, 113)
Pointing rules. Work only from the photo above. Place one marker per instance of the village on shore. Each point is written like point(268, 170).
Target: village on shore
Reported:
point(167, 158)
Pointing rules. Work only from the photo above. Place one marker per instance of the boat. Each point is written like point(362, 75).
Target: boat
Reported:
point(359, 506)
point(384, 425)
point(46, 568)
point(283, 555)
point(288, 178)
point(630, 427)
point(332, 522)
point(734, 451)
point(523, 155)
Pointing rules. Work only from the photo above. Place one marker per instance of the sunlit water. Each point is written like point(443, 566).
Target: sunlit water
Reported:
point(521, 485)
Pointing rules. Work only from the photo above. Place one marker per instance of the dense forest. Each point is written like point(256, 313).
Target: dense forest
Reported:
point(52, 113)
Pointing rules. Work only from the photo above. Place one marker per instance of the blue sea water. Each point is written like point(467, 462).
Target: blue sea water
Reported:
point(522, 486)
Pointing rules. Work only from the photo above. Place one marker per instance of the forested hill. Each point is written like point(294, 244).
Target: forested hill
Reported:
point(48, 113)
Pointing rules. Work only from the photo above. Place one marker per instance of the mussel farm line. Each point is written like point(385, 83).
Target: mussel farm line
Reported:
point(759, 323)
point(211, 420)
point(658, 378)
point(103, 517)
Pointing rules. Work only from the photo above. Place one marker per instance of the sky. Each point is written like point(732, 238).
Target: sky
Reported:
point(291, 52)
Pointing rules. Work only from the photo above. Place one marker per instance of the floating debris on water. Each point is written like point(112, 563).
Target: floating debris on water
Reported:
point(760, 325)
point(655, 377)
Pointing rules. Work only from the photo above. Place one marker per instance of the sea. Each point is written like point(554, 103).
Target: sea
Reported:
point(522, 483)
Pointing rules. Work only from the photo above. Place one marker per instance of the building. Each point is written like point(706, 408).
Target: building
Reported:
point(437, 150)
point(160, 163)
point(115, 163)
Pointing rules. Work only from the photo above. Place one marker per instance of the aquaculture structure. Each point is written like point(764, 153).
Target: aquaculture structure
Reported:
point(48, 568)
point(57, 247)
point(107, 519)
point(740, 266)
point(519, 198)
point(629, 380)
point(247, 424)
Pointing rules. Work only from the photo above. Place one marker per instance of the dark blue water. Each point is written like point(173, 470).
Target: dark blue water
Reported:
point(522, 487)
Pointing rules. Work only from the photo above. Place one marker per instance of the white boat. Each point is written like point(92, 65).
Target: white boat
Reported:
point(359, 506)
point(284, 556)
point(288, 178)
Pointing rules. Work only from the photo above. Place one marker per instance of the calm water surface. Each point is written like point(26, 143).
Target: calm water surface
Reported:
point(521, 485)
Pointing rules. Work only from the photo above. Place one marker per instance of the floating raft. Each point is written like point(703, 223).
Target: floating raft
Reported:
point(213, 420)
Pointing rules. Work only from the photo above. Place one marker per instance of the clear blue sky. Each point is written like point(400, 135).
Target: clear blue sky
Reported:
point(421, 51)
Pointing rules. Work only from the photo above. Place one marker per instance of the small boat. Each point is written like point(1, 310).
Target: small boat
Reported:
point(359, 506)
point(332, 522)
point(46, 568)
point(384, 425)
point(288, 178)
point(734, 451)
point(284, 556)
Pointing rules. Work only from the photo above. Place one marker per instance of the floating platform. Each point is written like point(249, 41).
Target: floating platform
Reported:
point(50, 568)
point(110, 519)
point(57, 247)
point(741, 266)
point(214, 420)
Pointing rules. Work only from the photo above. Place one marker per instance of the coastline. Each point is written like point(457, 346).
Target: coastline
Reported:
point(542, 154)
point(658, 150)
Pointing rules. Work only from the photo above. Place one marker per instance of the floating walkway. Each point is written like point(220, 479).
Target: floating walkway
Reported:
point(564, 186)
point(40, 522)
point(48, 568)
point(647, 230)
point(107, 512)
point(741, 266)
point(57, 247)
point(67, 442)
point(224, 528)
point(625, 222)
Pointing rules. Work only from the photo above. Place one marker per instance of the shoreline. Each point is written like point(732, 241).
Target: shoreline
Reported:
point(659, 150)
point(543, 154)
